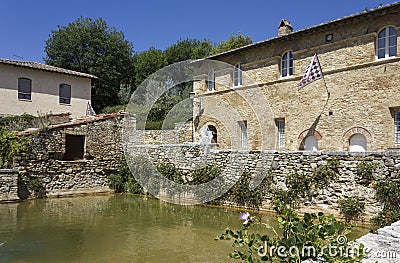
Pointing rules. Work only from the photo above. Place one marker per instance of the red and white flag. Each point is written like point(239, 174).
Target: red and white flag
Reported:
point(313, 73)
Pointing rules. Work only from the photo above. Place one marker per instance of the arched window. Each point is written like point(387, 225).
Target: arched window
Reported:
point(386, 45)
point(287, 64)
point(358, 143)
point(311, 143)
point(214, 133)
point(24, 89)
point(237, 75)
point(65, 94)
point(211, 81)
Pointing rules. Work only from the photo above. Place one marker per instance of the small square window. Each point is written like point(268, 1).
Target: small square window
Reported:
point(74, 147)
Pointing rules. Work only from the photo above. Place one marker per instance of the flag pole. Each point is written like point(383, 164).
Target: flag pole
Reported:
point(326, 87)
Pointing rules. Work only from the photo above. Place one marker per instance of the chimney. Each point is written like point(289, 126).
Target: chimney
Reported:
point(284, 28)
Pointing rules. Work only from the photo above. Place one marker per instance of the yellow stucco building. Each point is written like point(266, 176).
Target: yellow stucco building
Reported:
point(31, 87)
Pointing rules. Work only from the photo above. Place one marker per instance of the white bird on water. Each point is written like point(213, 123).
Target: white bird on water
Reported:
point(3, 243)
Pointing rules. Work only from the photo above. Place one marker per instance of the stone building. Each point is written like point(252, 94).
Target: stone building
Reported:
point(355, 107)
point(31, 87)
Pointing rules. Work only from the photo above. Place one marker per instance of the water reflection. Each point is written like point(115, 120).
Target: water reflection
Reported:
point(113, 228)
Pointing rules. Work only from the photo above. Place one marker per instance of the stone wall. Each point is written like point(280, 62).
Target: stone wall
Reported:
point(284, 163)
point(44, 171)
point(8, 185)
point(43, 161)
point(182, 133)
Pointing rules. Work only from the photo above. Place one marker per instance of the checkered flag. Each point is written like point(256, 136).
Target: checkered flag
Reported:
point(313, 73)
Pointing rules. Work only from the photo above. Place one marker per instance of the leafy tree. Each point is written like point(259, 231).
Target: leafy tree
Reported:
point(146, 63)
point(204, 49)
point(234, 41)
point(91, 46)
point(188, 49)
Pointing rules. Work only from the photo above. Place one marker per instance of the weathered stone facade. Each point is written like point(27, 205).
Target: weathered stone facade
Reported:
point(363, 89)
point(182, 133)
point(45, 157)
point(47, 168)
point(103, 152)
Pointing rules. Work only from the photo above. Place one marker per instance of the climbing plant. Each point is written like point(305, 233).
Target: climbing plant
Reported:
point(365, 171)
point(388, 193)
point(10, 145)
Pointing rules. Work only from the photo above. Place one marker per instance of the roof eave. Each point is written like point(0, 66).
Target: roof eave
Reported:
point(332, 23)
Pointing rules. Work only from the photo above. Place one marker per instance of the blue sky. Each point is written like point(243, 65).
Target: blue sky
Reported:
point(25, 25)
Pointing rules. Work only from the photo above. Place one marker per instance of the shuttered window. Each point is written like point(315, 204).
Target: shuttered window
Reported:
point(24, 89)
point(397, 126)
point(65, 94)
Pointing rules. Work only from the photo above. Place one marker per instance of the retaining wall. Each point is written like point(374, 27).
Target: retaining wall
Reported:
point(283, 163)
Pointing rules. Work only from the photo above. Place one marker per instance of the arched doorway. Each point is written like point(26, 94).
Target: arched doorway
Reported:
point(357, 143)
point(311, 144)
point(214, 133)
point(357, 139)
point(309, 140)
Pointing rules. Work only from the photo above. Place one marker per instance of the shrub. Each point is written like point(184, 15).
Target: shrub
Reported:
point(324, 174)
point(388, 193)
point(313, 230)
point(117, 182)
point(18, 123)
point(298, 186)
point(241, 194)
point(113, 109)
point(123, 181)
point(10, 145)
point(170, 172)
point(351, 208)
point(35, 184)
point(365, 171)
point(205, 174)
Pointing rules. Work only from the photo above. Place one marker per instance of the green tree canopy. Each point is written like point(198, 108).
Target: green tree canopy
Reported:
point(146, 63)
point(234, 41)
point(187, 49)
point(91, 46)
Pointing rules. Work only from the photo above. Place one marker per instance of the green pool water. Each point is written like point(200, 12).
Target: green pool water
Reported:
point(115, 228)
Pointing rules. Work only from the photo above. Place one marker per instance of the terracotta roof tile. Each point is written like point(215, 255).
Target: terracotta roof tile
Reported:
point(40, 66)
point(78, 121)
point(308, 29)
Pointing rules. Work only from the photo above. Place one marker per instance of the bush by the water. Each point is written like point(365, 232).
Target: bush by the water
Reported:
point(123, 181)
point(314, 237)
